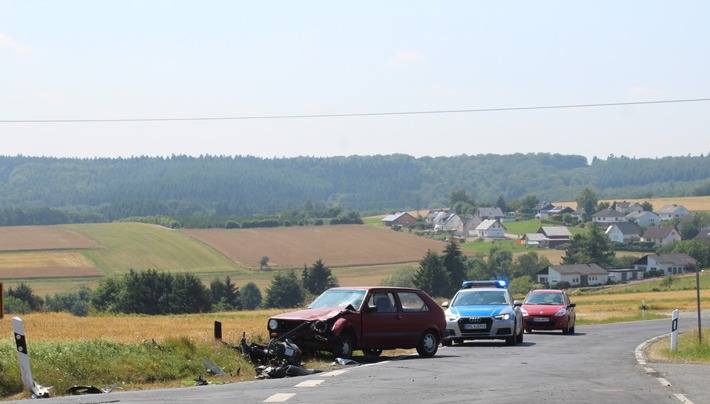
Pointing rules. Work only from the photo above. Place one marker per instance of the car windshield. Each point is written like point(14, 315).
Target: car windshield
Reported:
point(480, 297)
point(544, 298)
point(338, 298)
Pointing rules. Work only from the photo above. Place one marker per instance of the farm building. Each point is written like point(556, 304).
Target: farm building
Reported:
point(575, 275)
point(403, 219)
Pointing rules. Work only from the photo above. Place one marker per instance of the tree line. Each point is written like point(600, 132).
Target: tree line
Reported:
point(47, 190)
point(159, 293)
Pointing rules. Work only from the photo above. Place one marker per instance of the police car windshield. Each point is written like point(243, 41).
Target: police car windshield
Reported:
point(475, 297)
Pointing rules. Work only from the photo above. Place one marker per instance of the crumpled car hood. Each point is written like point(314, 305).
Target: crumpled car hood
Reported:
point(310, 314)
point(478, 311)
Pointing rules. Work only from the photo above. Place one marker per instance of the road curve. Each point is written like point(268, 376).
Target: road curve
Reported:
point(597, 364)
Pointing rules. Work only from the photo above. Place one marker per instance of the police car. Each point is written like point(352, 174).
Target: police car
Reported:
point(483, 310)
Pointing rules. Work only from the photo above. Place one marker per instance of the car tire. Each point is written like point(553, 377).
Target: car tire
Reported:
point(372, 352)
point(344, 346)
point(519, 338)
point(512, 340)
point(428, 344)
point(571, 330)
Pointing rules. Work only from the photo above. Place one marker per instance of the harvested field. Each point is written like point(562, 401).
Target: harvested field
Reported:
point(48, 264)
point(32, 238)
point(294, 247)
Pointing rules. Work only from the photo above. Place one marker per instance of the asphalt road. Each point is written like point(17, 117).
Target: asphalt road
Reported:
point(598, 364)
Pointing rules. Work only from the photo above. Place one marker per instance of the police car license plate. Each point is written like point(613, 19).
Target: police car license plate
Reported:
point(475, 326)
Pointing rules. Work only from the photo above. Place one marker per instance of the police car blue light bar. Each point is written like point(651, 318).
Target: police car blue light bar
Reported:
point(500, 283)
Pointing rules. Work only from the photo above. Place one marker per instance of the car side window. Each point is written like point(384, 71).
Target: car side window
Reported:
point(412, 303)
point(381, 302)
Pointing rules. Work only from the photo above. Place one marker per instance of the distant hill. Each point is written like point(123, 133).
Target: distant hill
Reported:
point(182, 186)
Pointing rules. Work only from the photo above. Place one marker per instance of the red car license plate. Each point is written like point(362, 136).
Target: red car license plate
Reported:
point(541, 319)
point(474, 326)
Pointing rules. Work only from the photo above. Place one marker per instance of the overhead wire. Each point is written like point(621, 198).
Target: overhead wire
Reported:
point(363, 114)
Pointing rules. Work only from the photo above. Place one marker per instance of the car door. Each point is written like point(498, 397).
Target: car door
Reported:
point(415, 317)
point(380, 321)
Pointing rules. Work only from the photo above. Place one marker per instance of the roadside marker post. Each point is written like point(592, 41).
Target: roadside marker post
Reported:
point(37, 390)
point(674, 331)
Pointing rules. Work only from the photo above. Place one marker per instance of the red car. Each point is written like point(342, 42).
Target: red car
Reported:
point(370, 319)
point(548, 309)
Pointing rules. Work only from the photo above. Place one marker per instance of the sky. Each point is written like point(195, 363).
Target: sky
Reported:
point(278, 79)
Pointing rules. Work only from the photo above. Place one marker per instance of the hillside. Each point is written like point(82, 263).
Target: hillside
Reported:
point(91, 190)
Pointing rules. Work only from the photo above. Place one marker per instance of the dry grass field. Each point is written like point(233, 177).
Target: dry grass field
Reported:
point(337, 246)
point(28, 238)
point(46, 264)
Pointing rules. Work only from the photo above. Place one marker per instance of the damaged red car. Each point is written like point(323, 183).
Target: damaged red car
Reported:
point(371, 319)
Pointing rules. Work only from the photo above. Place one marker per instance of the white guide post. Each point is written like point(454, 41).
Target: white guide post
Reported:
point(674, 331)
point(24, 359)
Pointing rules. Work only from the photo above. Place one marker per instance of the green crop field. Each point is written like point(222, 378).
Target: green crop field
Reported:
point(139, 246)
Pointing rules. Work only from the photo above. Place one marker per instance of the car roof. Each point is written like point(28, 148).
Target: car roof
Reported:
point(548, 291)
point(393, 288)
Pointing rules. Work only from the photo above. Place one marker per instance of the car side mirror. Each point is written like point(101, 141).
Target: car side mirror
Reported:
point(445, 305)
point(572, 305)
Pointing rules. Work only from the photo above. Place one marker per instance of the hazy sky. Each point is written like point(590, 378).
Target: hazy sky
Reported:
point(132, 60)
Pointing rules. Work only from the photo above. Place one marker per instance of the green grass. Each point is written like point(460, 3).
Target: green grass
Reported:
point(690, 350)
point(142, 246)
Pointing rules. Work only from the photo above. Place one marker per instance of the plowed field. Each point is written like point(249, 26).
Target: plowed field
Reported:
point(28, 238)
point(294, 247)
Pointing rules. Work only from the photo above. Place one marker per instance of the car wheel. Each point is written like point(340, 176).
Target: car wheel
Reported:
point(447, 342)
point(373, 352)
point(519, 338)
point(428, 344)
point(565, 330)
point(511, 341)
point(343, 347)
point(571, 330)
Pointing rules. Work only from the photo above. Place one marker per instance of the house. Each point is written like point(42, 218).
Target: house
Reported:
point(661, 236)
point(543, 206)
point(669, 264)
point(625, 275)
point(489, 213)
point(670, 212)
point(575, 275)
point(432, 215)
point(534, 239)
point(555, 235)
point(625, 232)
point(627, 207)
point(469, 227)
point(448, 221)
point(403, 219)
point(644, 218)
point(608, 216)
point(490, 228)
point(703, 234)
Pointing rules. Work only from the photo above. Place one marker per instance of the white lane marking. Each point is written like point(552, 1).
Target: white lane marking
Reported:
point(310, 383)
point(334, 373)
point(663, 381)
point(682, 399)
point(279, 397)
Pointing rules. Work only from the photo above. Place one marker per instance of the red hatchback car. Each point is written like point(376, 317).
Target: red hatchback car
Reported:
point(370, 319)
point(548, 309)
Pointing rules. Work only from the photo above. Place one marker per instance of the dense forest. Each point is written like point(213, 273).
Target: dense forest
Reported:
point(183, 186)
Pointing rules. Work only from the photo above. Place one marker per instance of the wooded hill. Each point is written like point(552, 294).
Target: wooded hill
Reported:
point(243, 185)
